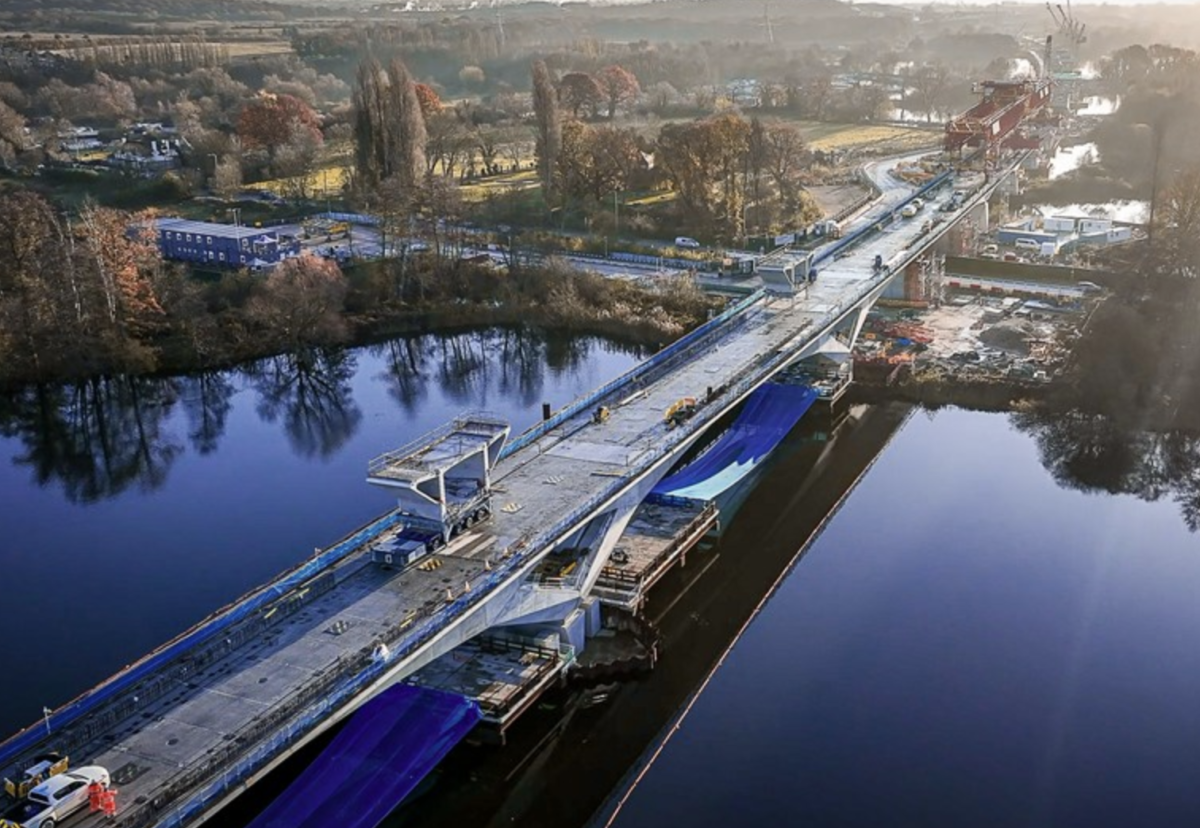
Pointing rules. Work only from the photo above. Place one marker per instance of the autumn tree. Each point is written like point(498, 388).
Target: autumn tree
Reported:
point(487, 147)
point(121, 252)
point(270, 122)
point(596, 161)
point(408, 124)
point(579, 91)
point(549, 129)
point(294, 163)
point(227, 177)
point(37, 290)
point(573, 158)
point(618, 85)
point(703, 160)
point(428, 99)
point(12, 133)
point(301, 302)
point(785, 155)
point(76, 296)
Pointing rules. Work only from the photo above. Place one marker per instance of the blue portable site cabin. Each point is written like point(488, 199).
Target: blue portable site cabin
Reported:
point(223, 245)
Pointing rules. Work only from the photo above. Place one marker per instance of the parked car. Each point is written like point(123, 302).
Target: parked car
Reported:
point(684, 241)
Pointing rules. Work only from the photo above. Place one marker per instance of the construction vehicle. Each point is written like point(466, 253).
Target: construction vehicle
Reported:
point(680, 411)
point(43, 767)
point(601, 415)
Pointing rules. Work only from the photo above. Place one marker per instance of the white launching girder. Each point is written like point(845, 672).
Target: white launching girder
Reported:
point(445, 473)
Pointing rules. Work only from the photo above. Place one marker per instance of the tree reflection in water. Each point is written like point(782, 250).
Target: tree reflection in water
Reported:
point(1090, 453)
point(206, 401)
point(310, 390)
point(96, 438)
point(470, 367)
point(405, 376)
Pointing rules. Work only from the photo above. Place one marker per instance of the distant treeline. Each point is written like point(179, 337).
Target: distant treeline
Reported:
point(139, 16)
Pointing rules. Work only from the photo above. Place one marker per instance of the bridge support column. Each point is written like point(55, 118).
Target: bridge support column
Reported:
point(979, 215)
point(860, 319)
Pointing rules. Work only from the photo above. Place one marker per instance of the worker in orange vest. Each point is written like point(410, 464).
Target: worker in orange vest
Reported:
point(108, 802)
point(95, 793)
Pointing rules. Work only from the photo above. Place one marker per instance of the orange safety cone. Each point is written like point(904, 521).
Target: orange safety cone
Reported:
point(95, 794)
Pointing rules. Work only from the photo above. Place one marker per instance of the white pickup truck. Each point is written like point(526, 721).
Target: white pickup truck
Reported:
point(55, 799)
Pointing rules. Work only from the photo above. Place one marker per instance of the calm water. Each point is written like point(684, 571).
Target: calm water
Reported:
point(132, 510)
point(968, 643)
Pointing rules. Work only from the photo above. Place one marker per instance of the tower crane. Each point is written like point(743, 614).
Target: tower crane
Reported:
point(1070, 26)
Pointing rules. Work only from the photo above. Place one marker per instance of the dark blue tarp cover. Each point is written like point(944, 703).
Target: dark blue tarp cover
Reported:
point(382, 753)
point(766, 418)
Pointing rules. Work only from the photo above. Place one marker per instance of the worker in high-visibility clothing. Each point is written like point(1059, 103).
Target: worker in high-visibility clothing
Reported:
point(108, 803)
point(95, 793)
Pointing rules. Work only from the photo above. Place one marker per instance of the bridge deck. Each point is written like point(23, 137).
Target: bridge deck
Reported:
point(190, 744)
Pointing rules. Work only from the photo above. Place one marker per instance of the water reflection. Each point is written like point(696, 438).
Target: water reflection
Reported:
point(95, 438)
point(310, 392)
point(467, 367)
point(207, 400)
point(405, 376)
point(1092, 454)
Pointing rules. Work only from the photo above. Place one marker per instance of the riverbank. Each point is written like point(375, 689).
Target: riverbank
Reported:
point(1127, 357)
point(240, 318)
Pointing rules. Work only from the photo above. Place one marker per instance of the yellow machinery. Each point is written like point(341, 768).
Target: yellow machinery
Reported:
point(601, 415)
point(680, 410)
point(44, 766)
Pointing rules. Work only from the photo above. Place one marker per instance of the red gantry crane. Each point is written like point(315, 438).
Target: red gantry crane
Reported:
point(1002, 107)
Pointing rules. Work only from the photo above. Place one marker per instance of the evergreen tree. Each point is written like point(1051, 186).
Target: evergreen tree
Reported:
point(549, 128)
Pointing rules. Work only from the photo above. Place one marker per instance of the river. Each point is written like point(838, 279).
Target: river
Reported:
point(997, 627)
point(970, 642)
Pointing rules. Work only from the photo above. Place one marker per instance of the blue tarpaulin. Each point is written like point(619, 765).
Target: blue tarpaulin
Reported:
point(383, 752)
point(766, 418)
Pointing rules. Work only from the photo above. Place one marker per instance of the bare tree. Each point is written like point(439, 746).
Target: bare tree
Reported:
point(227, 177)
point(301, 302)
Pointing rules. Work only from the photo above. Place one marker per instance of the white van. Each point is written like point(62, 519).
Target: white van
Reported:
point(1028, 244)
point(684, 241)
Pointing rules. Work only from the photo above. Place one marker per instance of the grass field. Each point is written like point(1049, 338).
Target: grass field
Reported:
point(479, 190)
point(651, 199)
point(76, 48)
point(846, 137)
point(326, 181)
point(257, 48)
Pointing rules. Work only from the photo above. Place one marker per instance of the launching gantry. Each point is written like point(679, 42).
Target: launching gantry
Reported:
point(1003, 106)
